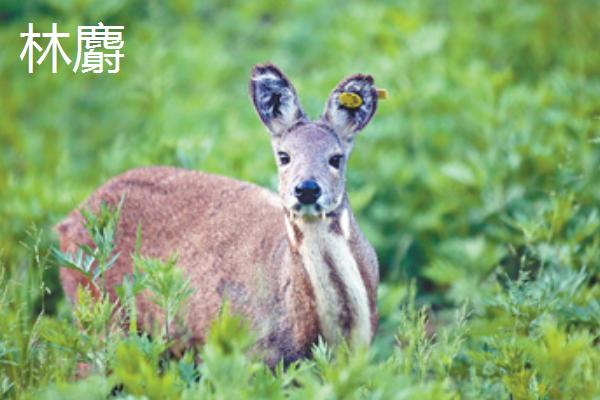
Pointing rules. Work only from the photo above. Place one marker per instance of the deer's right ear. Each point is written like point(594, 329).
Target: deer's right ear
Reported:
point(275, 99)
point(351, 106)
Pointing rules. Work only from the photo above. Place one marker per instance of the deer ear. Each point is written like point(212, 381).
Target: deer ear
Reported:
point(351, 106)
point(275, 98)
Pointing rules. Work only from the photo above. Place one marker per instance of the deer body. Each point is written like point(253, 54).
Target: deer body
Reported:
point(296, 265)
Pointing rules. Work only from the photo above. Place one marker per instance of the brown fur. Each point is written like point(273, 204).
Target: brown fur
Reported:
point(238, 241)
point(177, 217)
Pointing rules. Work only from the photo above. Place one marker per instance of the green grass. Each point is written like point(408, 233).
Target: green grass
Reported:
point(477, 183)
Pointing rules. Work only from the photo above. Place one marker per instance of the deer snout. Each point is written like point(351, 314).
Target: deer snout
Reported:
point(307, 192)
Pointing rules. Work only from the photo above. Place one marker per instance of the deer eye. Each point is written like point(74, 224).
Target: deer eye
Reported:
point(335, 161)
point(284, 158)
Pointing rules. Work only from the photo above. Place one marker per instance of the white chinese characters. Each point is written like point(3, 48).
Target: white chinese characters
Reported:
point(98, 48)
point(96, 38)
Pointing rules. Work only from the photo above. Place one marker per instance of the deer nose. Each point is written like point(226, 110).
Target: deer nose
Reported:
point(307, 192)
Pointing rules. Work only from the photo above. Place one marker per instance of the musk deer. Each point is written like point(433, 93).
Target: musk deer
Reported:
point(296, 266)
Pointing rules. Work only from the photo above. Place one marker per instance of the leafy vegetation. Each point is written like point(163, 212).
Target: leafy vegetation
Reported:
point(477, 182)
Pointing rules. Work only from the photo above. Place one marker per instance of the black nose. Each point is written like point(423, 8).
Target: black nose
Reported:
point(307, 192)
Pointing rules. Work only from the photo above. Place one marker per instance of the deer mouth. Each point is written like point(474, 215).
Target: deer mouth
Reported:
point(308, 211)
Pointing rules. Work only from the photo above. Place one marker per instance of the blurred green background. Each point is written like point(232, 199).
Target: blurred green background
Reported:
point(483, 161)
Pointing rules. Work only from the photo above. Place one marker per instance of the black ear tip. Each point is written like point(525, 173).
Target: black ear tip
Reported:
point(357, 82)
point(365, 78)
point(266, 68)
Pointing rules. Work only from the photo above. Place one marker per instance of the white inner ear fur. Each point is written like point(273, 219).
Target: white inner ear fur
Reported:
point(267, 75)
point(339, 121)
point(288, 106)
point(288, 109)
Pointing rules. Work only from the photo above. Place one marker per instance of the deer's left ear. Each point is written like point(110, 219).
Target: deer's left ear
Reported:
point(351, 106)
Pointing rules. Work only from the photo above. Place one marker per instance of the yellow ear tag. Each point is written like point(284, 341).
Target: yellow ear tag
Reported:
point(382, 94)
point(350, 100)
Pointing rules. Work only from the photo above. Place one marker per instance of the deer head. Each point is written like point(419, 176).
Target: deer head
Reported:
point(311, 155)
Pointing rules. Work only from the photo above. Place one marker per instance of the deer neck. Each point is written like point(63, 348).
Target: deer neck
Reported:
point(324, 250)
